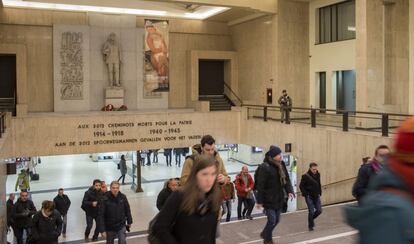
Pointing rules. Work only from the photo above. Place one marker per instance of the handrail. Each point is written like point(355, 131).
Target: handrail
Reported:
point(2, 123)
point(384, 117)
point(232, 92)
point(7, 98)
point(328, 110)
point(333, 183)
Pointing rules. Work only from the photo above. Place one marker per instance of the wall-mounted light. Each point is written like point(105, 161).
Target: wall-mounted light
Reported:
point(351, 28)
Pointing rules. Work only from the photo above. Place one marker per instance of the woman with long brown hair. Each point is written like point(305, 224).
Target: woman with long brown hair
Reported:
point(190, 214)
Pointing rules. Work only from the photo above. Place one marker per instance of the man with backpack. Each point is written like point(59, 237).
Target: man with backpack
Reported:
point(310, 186)
point(22, 181)
point(368, 170)
point(386, 213)
point(207, 147)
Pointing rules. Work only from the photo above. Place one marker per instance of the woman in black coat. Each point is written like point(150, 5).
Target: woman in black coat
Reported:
point(190, 214)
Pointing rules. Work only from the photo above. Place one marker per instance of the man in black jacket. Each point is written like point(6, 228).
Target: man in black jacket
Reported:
point(114, 215)
point(90, 203)
point(271, 185)
point(62, 204)
point(171, 185)
point(369, 170)
point(310, 186)
point(22, 216)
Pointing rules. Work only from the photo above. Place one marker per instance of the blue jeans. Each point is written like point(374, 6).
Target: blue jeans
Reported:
point(273, 218)
point(65, 223)
point(248, 207)
point(315, 209)
point(178, 159)
point(111, 235)
point(226, 205)
point(20, 234)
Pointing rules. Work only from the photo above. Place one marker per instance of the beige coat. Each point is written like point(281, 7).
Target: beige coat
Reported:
point(188, 164)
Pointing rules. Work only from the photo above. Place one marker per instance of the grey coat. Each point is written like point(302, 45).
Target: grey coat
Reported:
point(123, 167)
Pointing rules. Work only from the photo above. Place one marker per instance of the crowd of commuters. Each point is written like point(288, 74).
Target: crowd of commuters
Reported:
point(145, 156)
point(109, 210)
point(192, 206)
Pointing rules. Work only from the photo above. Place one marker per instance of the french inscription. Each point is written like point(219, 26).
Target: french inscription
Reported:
point(115, 133)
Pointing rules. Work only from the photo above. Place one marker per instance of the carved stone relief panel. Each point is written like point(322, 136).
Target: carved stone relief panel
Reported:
point(71, 66)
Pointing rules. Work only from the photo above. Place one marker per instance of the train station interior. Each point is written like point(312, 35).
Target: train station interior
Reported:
point(83, 83)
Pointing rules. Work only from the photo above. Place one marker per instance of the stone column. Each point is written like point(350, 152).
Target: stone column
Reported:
point(411, 59)
point(381, 57)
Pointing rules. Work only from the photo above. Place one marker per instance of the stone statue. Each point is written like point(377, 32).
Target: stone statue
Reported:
point(112, 57)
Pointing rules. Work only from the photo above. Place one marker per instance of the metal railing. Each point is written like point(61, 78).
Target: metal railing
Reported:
point(2, 123)
point(384, 123)
point(232, 93)
point(331, 184)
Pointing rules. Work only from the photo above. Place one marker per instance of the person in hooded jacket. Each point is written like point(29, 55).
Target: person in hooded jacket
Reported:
point(47, 225)
point(272, 182)
point(22, 215)
point(207, 147)
point(310, 186)
point(90, 204)
point(386, 213)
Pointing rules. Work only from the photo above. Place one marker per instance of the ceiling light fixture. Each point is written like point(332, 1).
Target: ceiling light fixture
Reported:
point(204, 12)
point(83, 8)
point(201, 13)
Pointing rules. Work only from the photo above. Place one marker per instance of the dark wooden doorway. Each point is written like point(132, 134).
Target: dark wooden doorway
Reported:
point(211, 77)
point(8, 83)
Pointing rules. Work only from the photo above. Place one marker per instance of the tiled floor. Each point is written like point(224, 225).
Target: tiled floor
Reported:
point(75, 173)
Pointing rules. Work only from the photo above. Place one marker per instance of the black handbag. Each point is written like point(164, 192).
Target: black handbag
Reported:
point(152, 239)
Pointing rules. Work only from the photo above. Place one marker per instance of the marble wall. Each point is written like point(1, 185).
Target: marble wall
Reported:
point(273, 53)
point(382, 51)
point(328, 57)
point(337, 153)
point(34, 29)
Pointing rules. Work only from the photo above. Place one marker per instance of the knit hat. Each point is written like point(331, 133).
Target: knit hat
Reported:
point(404, 141)
point(274, 151)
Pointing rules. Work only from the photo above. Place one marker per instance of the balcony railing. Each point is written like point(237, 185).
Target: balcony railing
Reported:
point(384, 123)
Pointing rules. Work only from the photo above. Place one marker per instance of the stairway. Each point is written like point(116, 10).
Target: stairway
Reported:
point(217, 102)
point(7, 105)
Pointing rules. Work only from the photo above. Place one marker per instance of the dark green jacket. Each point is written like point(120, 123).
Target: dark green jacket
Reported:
point(383, 217)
